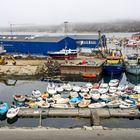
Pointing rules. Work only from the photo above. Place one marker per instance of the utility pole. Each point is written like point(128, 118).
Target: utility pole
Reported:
point(66, 27)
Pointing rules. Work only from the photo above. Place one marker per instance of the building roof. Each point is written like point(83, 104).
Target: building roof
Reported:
point(47, 38)
point(84, 37)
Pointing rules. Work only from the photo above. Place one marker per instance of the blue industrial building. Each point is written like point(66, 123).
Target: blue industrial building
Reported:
point(41, 45)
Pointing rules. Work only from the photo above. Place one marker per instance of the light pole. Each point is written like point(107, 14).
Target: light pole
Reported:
point(65, 27)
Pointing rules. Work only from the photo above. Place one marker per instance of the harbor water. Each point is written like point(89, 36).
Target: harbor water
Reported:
point(25, 87)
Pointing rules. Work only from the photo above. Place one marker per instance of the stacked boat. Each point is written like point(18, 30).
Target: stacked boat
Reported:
point(111, 95)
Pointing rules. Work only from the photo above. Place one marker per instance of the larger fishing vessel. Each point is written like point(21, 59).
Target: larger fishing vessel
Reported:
point(114, 63)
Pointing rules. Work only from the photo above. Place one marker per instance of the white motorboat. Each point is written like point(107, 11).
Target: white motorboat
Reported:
point(89, 85)
point(51, 88)
point(76, 88)
point(121, 88)
point(103, 88)
point(73, 94)
point(84, 89)
point(67, 87)
point(95, 96)
point(36, 93)
point(112, 89)
point(105, 97)
point(12, 112)
point(59, 89)
point(97, 105)
point(43, 104)
point(114, 83)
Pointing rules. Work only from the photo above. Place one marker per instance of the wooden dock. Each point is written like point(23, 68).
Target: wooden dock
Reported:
point(93, 114)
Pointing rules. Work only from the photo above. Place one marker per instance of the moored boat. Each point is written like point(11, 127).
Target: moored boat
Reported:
point(3, 108)
point(97, 105)
point(20, 98)
point(51, 88)
point(64, 53)
point(84, 103)
point(12, 112)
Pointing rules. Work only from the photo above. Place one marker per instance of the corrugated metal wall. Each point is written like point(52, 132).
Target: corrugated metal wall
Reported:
point(42, 48)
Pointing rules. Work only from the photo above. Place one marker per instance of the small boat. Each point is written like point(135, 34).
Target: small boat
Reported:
point(30, 98)
point(97, 105)
point(67, 87)
point(89, 85)
point(135, 96)
point(56, 96)
point(42, 104)
point(73, 94)
point(89, 75)
point(65, 94)
point(36, 93)
point(12, 112)
point(31, 104)
point(60, 106)
point(105, 97)
point(112, 89)
point(84, 103)
point(113, 104)
point(114, 83)
point(62, 100)
point(121, 88)
point(20, 98)
point(76, 88)
point(131, 43)
point(3, 108)
point(63, 54)
point(50, 101)
point(84, 89)
point(51, 88)
point(95, 96)
point(85, 95)
point(75, 100)
point(103, 88)
point(59, 89)
point(44, 95)
point(95, 86)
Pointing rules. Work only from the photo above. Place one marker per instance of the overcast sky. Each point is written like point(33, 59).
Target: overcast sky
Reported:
point(46, 12)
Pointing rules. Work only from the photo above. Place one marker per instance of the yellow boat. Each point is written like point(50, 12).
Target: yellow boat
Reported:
point(45, 95)
point(135, 96)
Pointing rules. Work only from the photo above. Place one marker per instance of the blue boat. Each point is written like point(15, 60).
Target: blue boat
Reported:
point(112, 69)
point(114, 64)
point(3, 108)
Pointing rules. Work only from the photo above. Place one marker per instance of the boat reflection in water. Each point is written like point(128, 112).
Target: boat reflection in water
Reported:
point(13, 120)
point(133, 79)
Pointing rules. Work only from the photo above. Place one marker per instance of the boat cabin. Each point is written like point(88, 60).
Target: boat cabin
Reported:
point(114, 59)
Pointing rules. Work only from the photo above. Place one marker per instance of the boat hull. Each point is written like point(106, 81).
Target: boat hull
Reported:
point(135, 70)
point(113, 69)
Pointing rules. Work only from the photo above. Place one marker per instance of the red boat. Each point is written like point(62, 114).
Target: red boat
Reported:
point(132, 43)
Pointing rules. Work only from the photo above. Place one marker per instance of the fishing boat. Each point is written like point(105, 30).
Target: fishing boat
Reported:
point(133, 66)
point(12, 112)
point(75, 100)
point(51, 88)
point(114, 63)
point(67, 87)
point(85, 95)
point(3, 108)
point(63, 54)
point(59, 88)
point(112, 89)
point(73, 94)
point(131, 43)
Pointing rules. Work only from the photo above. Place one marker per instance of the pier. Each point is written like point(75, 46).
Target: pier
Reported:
point(93, 114)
